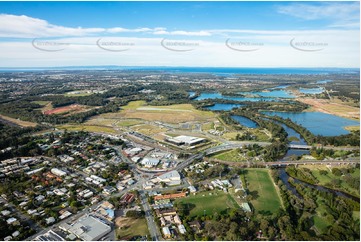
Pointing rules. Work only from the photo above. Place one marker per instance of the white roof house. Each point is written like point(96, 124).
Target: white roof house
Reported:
point(182, 229)
point(58, 172)
point(166, 232)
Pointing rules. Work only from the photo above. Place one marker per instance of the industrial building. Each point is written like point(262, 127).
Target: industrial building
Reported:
point(170, 178)
point(185, 140)
point(88, 228)
point(150, 162)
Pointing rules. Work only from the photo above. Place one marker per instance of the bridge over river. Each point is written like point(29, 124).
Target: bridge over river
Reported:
point(231, 146)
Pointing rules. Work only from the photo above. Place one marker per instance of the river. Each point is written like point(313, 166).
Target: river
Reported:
point(284, 178)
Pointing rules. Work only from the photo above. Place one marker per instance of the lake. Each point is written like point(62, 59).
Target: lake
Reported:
point(323, 81)
point(318, 123)
point(245, 121)
point(317, 90)
point(264, 96)
point(272, 94)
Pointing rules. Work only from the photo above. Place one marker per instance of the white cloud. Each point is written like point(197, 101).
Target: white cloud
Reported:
point(346, 11)
point(80, 46)
point(27, 27)
point(183, 33)
point(342, 50)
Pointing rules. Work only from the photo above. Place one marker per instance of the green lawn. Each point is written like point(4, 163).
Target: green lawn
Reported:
point(261, 187)
point(129, 227)
point(320, 223)
point(208, 204)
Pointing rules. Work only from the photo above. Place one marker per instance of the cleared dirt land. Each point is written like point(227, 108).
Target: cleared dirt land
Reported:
point(70, 109)
point(332, 107)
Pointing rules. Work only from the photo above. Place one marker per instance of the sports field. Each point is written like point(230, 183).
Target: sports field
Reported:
point(261, 187)
point(126, 228)
point(209, 202)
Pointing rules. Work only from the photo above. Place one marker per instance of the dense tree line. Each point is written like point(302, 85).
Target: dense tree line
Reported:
point(297, 220)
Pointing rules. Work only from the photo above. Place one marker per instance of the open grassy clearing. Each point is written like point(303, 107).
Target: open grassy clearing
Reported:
point(100, 121)
point(260, 186)
point(208, 126)
point(259, 133)
point(324, 180)
point(126, 228)
point(46, 105)
point(128, 122)
point(42, 103)
point(88, 128)
point(356, 214)
point(320, 223)
point(177, 113)
point(148, 129)
point(18, 121)
point(230, 155)
point(209, 202)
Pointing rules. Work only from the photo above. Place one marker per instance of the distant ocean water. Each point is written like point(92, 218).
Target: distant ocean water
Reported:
point(221, 71)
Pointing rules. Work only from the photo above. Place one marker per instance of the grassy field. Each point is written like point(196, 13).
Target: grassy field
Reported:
point(128, 123)
point(320, 223)
point(148, 129)
point(177, 113)
point(230, 155)
point(209, 202)
point(325, 179)
point(208, 126)
point(46, 105)
point(100, 121)
point(89, 128)
point(127, 228)
point(260, 185)
point(18, 121)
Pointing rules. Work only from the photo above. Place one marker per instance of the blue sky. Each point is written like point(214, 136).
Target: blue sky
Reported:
point(247, 34)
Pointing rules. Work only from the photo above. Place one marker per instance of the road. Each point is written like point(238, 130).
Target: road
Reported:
point(152, 225)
